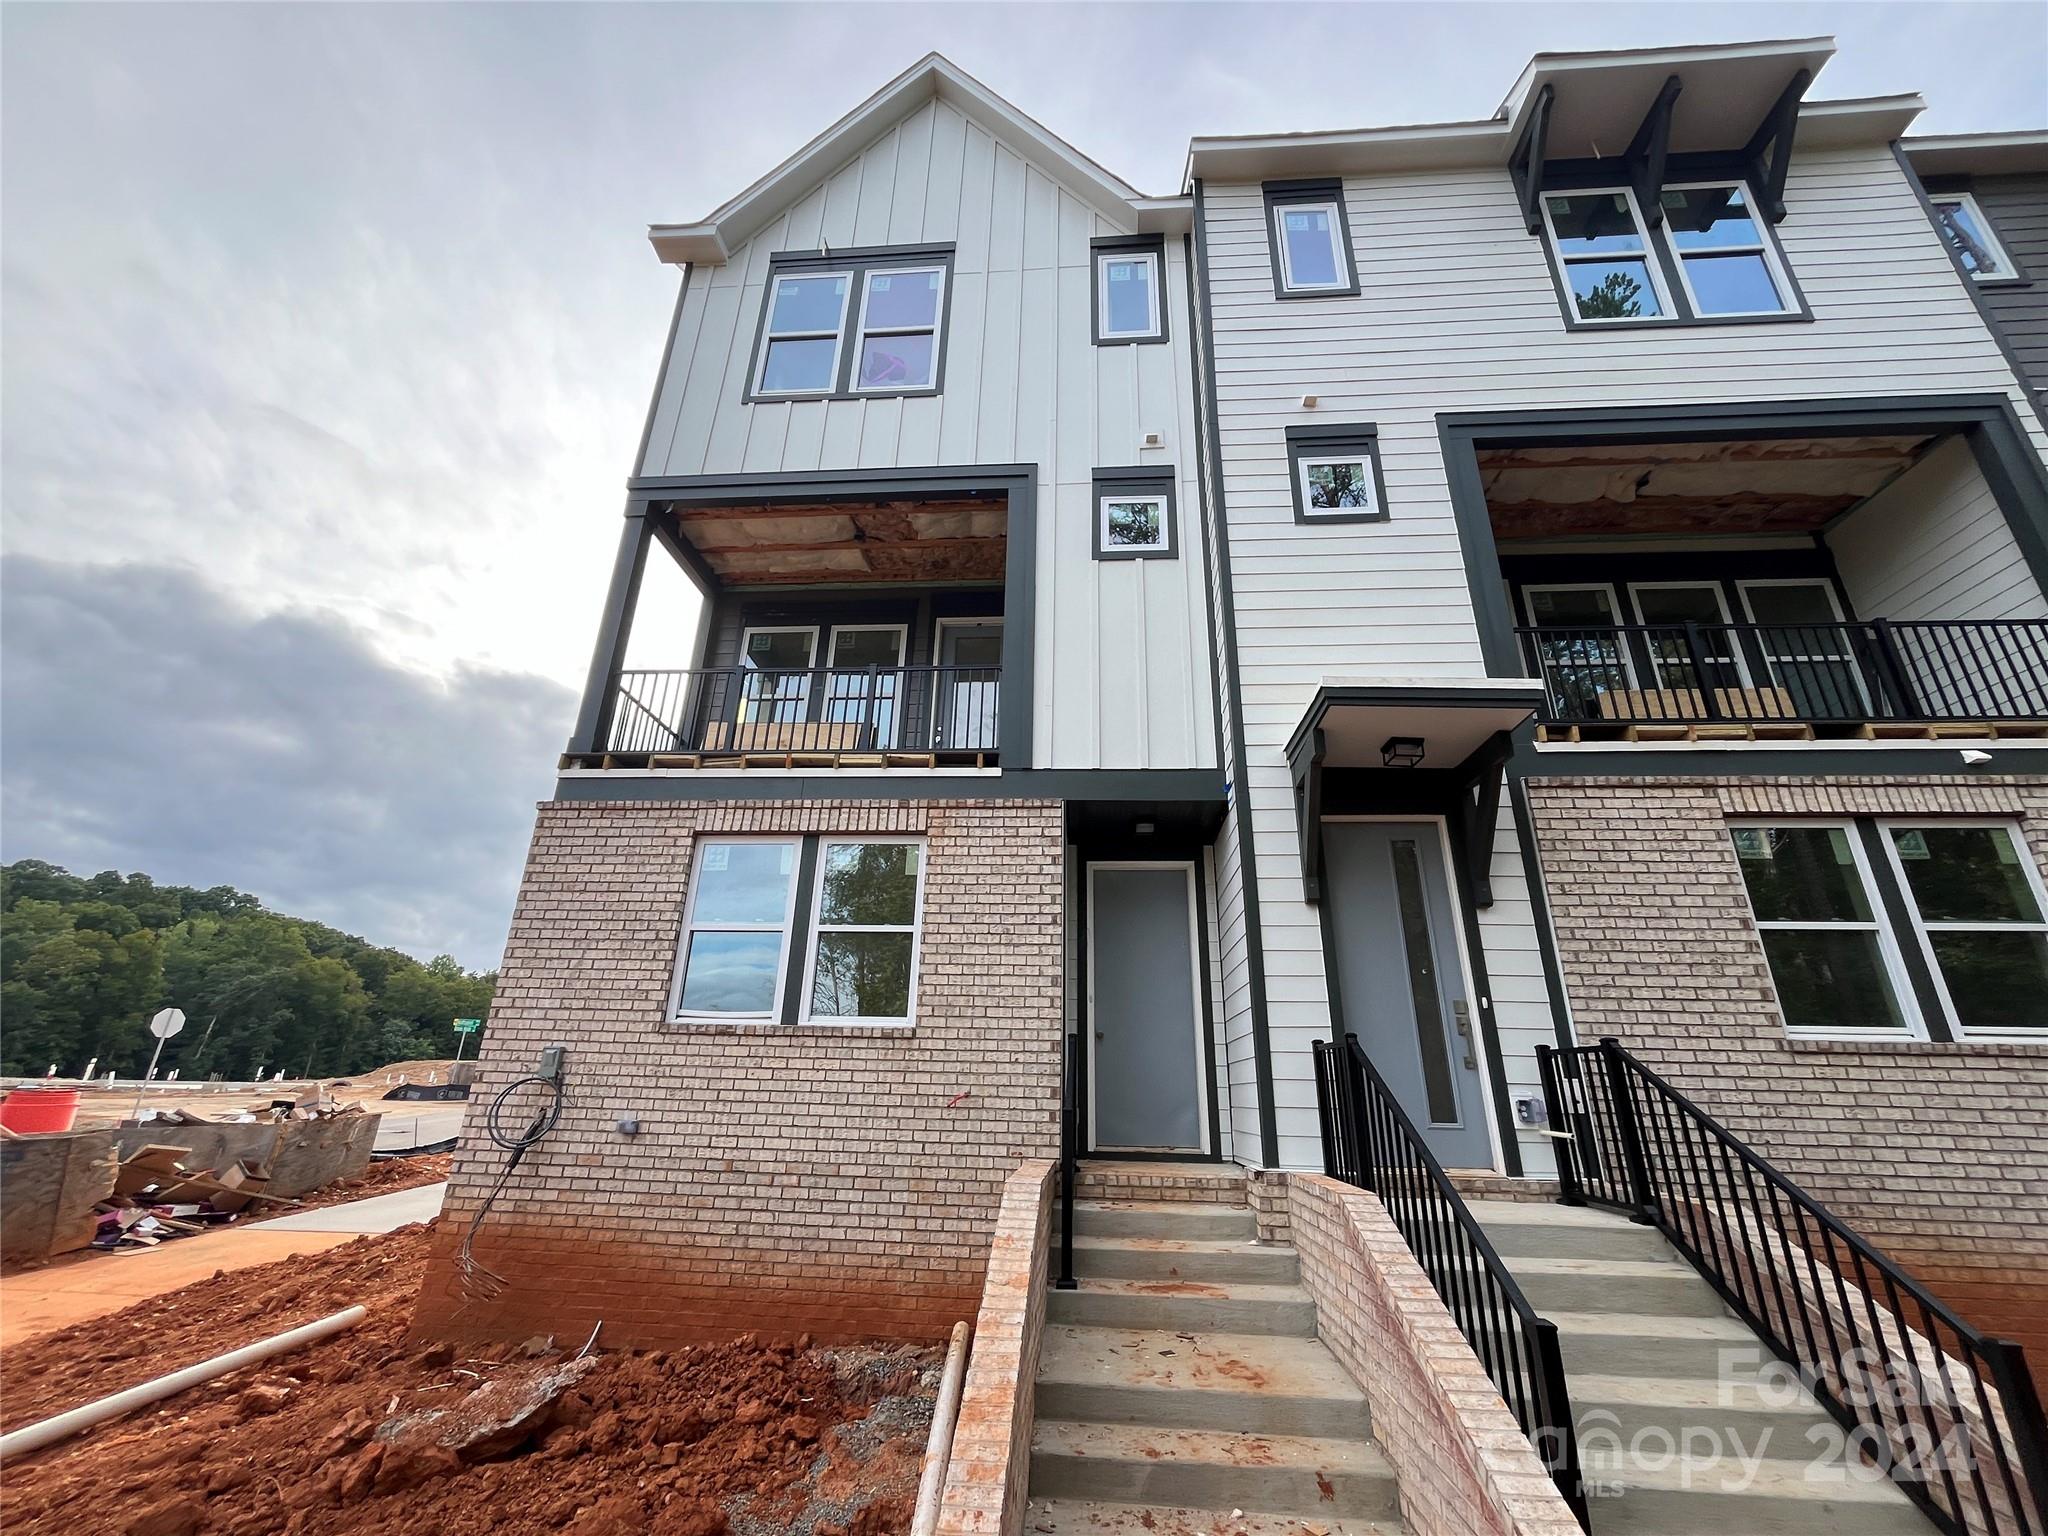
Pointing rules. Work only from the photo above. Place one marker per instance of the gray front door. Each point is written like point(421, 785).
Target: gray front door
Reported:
point(1403, 989)
point(1145, 1066)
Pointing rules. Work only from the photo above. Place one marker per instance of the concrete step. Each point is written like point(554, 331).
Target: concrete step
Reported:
point(1629, 1344)
point(1192, 1306)
point(1719, 1495)
point(1185, 1221)
point(1072, 1517)
point(1272, 1474)
point(1656, 1287)
point(1779, 1419)
point(1161, 1258)
point(1265, 1384)
point(1544, 1229)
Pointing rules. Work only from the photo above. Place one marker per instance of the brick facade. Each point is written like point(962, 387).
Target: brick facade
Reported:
point(837, 1181)
point(1937, 1152)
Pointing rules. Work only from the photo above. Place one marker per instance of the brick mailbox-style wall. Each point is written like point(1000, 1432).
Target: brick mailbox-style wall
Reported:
point(840, 1181)
point(1936, 1152)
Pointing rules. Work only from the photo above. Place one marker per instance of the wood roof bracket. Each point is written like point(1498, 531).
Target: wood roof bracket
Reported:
point(1477, 816)
point(1648, 150)
point(1525, 165)
point(1307, 766)
point(1775, 134)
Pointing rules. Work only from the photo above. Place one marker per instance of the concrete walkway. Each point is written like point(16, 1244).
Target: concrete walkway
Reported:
point(404, 1128)
point(379, 1213)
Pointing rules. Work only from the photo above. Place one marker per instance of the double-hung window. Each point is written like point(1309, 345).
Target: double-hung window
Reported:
point(1708, 258)
point(1129, 283)
point(1976, 902)
point(1603, 256)
point(865, 324)
point(864, 937)
point(1727, 265)
point(736, 929)
point(1964, 226)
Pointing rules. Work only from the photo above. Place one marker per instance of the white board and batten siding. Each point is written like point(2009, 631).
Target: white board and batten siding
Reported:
point(1457, 313)
point(1121, 670)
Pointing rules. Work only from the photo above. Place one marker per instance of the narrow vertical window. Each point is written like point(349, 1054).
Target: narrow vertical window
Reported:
point(1975, 898)
point(735, 930)
point(1311, 252)
point(863, 961)
point(1127, 296)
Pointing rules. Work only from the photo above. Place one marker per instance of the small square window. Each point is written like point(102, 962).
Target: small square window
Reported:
point(1966, 229)
point(1134, 515)
point(1137, 522)
point(1128, 301)
point(1336, 474)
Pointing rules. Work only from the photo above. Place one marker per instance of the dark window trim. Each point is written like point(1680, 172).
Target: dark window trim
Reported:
point(1595, 175)
point(1330, 441)
point(1279, 194)
point(1137, 480)
point(857, 263)
point(1938, 187)
point(1153, 245)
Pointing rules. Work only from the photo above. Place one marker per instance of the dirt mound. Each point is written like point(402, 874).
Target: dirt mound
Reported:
point(366, 1435)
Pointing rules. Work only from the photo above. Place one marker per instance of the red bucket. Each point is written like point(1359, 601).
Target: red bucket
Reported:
point(27, 1111)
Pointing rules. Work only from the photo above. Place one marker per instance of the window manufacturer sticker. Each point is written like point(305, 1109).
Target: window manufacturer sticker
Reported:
point(1913, 845)
point(716, 860)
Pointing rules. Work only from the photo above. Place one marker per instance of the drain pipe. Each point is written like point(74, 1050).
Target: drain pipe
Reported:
point(938, 1450)
point(33, 1437)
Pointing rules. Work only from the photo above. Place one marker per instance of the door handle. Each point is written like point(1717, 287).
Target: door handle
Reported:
point(1461, 1015)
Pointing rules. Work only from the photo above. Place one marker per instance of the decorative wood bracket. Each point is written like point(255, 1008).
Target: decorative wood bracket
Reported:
point(1775, 134)
point(1307, 767)
point(1648, 150)
point(1525, 165)
point(1478, 811)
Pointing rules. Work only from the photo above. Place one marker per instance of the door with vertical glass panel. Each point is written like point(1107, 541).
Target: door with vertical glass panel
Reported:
point(970, 679)
point(1578, 649)
point(861, 687)
point(1394, 925)
point(1679, 654)
point(775, 686)
point(1806, 645)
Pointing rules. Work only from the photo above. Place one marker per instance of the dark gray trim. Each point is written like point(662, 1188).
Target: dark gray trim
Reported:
point(800, 931)
point(614, 629)
point(1135, 482)
point(1237, 786)
point(1205, 515)
point(857, 264)
point(1016, 483)
point(1539, 903)
point(1700, 761)
point(1127, 245)
point(668, 349)
point(1328, 440)
point(1525, 164)
point(1138, 786)
point(2010, 467)
point(1905, 936)
point(1970, 285)
point(1406, 696)
point(1278, 194)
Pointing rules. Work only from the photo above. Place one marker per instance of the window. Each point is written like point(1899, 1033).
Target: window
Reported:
point(1726, 264)
point(1129, 278)
point(1831, 959)
point(862, 685)
point(1800, 632)
point(1603, 256)
point(863, 957)
point(1336, 474)
point(1579, 651)
point(854, 324)
point(1134, 514)
point(899, 330)
point(1975, 899)
point(1964, 226)
point(776, 680)
point(1665, 608)
point(736, 929)
point(1311, 239)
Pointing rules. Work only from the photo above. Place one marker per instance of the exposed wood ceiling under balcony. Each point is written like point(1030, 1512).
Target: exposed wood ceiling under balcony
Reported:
point(959, 539)
point(1748, 486)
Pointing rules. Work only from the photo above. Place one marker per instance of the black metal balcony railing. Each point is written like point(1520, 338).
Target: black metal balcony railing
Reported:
point(748, 710)
point(1824, 675)
point(1949, 1413)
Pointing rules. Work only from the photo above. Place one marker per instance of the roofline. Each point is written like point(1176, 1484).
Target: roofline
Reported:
point(710, 241)
point(2021, 150)
point(1511, 105)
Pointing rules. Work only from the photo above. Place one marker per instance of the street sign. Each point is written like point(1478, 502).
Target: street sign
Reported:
point(468, 1026)
point(167, 1023)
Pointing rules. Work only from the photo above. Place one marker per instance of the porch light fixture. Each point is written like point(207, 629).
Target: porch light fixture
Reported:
point(1402, 751)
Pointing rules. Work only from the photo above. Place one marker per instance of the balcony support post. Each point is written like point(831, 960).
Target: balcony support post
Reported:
point(615, 628)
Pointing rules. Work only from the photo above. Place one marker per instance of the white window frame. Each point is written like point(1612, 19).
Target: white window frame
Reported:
point(1628, 660)
point(937, 330)
point(814, 929)
point(1923, 928)
point(1911, 1025)
point(1150, 259)
point(703, 846)
point(2008, 270)
point(802, 696)
point(1312, 513)
point(1763, 247)
point(1334, 208)
point(1102, 505)
point(769, 334)
point(1562, 263)
point(1740, 661)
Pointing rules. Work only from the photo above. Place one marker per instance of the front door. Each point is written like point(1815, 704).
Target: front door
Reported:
point(969, 682)
point(1148, 1089)
point(1403, 988)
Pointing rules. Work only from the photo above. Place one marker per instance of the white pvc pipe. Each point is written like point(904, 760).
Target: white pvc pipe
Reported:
point(33, 1437)
point(938, 1449)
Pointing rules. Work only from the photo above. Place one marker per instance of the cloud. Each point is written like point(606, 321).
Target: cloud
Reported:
point(152, 723)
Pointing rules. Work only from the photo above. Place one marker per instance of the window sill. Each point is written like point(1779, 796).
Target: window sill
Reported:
point(751, 398)
point(1681, 323)
point(1317, 293)
point(1130, 341)
point(774, 1027)
point(1903, 1044)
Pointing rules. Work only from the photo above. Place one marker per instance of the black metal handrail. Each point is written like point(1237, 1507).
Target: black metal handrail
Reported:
point(1070, 1156)
point(1766, 674)
point(1369, 1141)
point(1953, 1416)
point(810, 710)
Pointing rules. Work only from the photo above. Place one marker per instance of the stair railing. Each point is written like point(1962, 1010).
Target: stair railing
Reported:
point(1954, 1417)
point(1070, 1156)
point(1369, 1142)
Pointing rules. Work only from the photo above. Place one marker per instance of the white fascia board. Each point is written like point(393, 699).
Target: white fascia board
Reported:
point(1544, 65)
point(1356, 151)
point(1863, 120)
point(1982, 154)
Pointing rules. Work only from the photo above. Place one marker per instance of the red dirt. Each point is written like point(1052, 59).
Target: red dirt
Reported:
point(340, 1437)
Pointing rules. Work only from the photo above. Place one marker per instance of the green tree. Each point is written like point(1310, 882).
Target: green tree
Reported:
point(1617, 296)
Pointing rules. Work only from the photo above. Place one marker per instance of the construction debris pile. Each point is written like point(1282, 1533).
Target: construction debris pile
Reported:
point(371, 1433)
point(157, 1197)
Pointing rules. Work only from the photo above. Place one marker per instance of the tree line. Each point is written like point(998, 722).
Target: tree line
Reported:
point(86, 960)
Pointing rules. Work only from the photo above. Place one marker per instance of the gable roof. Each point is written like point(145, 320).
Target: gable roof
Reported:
point(710, 241)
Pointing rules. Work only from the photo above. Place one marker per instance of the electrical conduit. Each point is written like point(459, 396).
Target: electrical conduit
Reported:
point(939, 1449)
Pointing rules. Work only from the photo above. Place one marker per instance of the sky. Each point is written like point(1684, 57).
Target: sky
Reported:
point(327, 333)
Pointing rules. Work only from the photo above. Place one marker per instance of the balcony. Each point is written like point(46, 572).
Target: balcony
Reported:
point(750, 717)
point(1874, 679)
